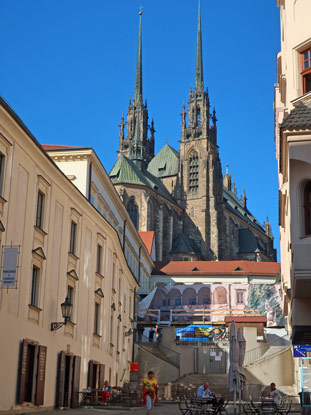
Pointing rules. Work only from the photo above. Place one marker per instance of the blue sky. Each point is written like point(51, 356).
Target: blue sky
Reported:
point(68, 70)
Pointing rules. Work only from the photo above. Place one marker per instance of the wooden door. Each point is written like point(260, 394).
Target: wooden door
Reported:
point(61, 379)
point(41, 375)
point(101, 379)
point(22, 371)
point(75, 381)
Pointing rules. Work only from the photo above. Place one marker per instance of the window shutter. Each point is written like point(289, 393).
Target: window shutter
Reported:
point(22, 374)
point(61, 379)
point(41, 375)
point(76, 381)
point(90, 376)
point(101, 376)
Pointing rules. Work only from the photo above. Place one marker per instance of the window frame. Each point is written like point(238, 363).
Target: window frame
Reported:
point(240, 295)
point(97, 318)
point(40, 209)
point(71, 296)
point(73, 237)
point(307, 208)
point(305, 71)
point(35, 286)
point(2, 165)
point(193, 172)
point(99, 259)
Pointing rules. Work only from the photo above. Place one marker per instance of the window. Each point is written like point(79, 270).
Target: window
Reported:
point(133, 211)
point(73, 233)
point(178, 301)
point(240, 297)
point(198, 116)
point(40, 209)
point(306, 70)
point(2, 162)
point(34, 300)
point(193, 173)
point(192, 301)
point(96, 318)
point(206, 300)
point(70, 295)
point(307, 207)
point(99, 259)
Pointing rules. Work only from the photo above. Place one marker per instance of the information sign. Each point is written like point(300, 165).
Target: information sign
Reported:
point(9, 268)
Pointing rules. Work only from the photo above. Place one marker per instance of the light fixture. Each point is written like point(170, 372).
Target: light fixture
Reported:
point(66, 307)
point(129, 332)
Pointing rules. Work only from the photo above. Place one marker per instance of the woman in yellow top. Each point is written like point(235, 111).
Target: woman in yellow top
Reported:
point(149, 388)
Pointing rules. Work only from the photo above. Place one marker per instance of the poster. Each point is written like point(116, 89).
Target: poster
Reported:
point(9, 269)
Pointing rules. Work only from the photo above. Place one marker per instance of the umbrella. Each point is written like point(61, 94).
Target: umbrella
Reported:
point(234, 375)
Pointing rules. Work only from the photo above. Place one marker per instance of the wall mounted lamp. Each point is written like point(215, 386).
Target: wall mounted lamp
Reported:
point(66, 307)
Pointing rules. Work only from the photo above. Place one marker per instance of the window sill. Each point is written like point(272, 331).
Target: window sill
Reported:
point(305, 237)
point(40, 230)
point(97, 335)
point(73, 255)
point(34, 307)
point(98, 274)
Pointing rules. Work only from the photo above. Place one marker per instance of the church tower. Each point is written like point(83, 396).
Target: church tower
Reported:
point(200, 173)
point(134, 141)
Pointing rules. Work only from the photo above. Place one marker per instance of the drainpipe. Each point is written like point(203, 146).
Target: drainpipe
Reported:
point(123, 244)
point(139, 256)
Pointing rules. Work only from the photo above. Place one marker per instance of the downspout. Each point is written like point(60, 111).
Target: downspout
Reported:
point(139, 256)
point(90, 181)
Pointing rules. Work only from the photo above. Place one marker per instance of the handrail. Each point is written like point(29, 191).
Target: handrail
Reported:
point(254, 354)
point(170, 354)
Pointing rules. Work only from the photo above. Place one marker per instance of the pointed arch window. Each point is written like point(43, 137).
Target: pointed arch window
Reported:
point(133, 211)
point(307, 207)
point(193, 172)
point(198, 116)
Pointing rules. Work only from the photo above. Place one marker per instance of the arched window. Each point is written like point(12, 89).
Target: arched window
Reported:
point(307, 207)
point(133, 211)
point(193, 172)
point(198, 116)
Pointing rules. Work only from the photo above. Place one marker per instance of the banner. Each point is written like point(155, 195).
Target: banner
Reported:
point(9, 268)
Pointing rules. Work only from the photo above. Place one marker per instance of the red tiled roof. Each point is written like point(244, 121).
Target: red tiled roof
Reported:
point(221, 268)
point(56, 147)
point(147, 238)
point(246, 319)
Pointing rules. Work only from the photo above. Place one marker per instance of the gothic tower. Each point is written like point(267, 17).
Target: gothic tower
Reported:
point(133, 138)
point(200, 168)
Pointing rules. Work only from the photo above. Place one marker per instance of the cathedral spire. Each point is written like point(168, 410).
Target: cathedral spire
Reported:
point(138, 92)
point(199, 85)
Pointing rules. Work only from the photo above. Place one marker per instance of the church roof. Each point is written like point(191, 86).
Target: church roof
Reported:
point(248, 243)
point(299, 117)
point(126, 171)
point(233, 204)
point(165, 163)
point(182, 244)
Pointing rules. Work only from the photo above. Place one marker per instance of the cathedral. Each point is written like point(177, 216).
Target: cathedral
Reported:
point(182, 196)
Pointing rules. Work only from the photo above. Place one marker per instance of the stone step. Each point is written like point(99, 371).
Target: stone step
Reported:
point(154, 350)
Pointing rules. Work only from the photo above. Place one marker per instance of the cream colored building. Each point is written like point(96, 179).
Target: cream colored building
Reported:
point(293, 150)
point(67, 248)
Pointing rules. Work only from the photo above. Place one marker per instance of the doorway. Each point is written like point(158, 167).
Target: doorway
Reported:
point(68, 380)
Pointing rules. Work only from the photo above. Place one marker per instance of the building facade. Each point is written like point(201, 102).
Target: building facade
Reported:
point(67, 248)
point(293, 151)
point(182, 195)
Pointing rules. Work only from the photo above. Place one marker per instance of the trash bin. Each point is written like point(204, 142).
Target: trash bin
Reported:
point(306, 398)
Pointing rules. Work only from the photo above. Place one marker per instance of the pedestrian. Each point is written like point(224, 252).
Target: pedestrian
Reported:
point(106, 393)
point(204, 391)
point(151, 334)
point(273, 393)
point(157, 332)
point(140, 332)
point(149, 389)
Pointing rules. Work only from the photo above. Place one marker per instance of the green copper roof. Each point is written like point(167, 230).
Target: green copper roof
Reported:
point(125, 171)
point(182, 244)
point(248, 243)
point(138, 92)
point(198, 84)
point(165, 163)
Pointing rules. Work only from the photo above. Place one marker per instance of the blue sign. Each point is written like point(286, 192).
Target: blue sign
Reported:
point(301, 350)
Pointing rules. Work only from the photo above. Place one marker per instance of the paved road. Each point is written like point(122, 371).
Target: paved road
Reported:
point(161, 409)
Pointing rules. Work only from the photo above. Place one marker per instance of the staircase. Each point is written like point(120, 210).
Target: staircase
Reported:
point(257, 355)
point(161, 352)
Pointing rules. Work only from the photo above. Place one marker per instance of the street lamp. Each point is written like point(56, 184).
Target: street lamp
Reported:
point(66, 307)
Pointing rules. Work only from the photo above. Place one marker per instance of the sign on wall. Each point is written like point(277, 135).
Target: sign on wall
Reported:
point(302, 350)
point(9, 267)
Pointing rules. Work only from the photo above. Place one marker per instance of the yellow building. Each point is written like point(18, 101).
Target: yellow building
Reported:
point(67, 248)
point(293, 150)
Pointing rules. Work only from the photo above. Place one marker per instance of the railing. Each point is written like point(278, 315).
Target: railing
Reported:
point(170, 354)
point(200, 314)
point(255, 354)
